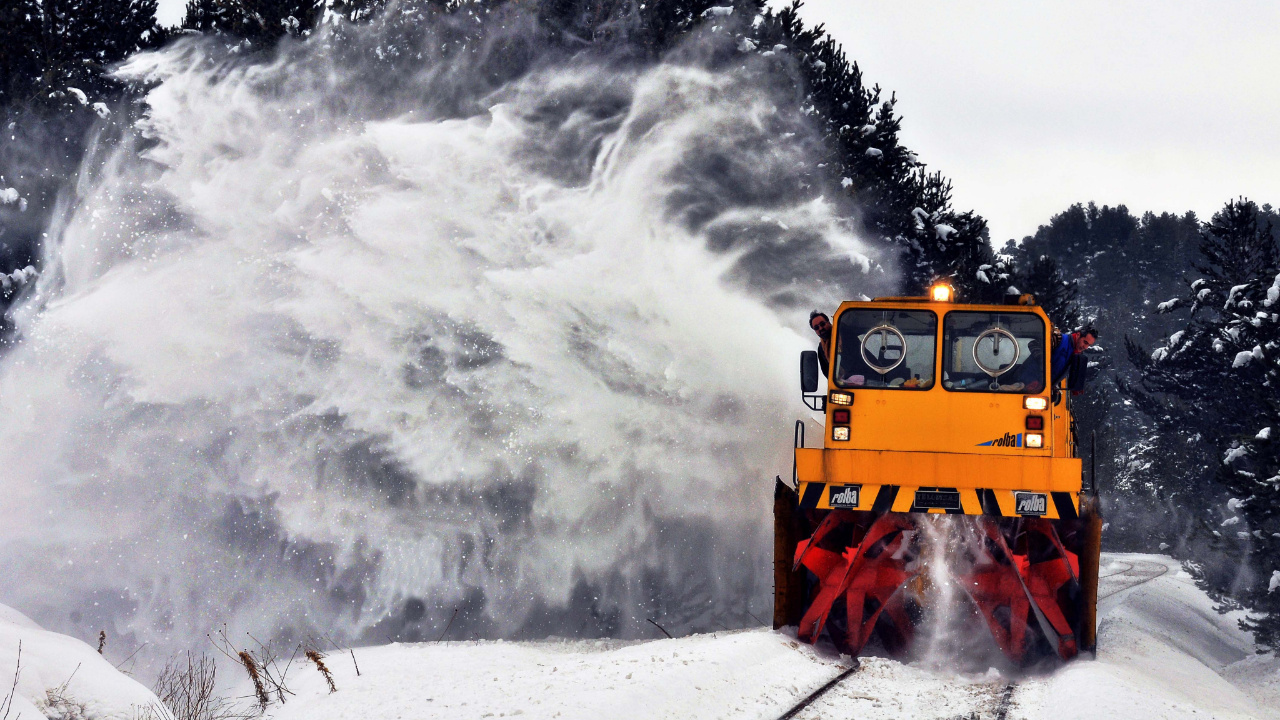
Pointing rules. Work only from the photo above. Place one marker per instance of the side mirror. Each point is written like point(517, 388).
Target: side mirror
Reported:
point(809, 371)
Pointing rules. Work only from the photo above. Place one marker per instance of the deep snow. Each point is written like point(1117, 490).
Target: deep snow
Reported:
point(61, 677)
point(1163, 653)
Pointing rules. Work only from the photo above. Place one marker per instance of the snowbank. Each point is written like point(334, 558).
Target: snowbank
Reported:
point(1163, 652)
point(62, 677)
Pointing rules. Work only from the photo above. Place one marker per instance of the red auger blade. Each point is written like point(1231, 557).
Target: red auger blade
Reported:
point(867, 574)
point(996, 589)
point(1029, 584)
point(1048, 569)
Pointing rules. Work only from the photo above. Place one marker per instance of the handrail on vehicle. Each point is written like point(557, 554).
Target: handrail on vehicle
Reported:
point(797, 441)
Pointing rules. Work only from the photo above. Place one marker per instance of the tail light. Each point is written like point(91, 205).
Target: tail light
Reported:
point(1035, 422)
point(840, 416)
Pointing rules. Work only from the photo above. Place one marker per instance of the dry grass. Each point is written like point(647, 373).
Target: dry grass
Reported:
point(61, 706)
point(187, 690)
point(6, 705)
point(317, 658)
point(259, 687)
point(262, 665)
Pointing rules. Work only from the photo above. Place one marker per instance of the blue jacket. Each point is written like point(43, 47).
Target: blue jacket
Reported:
point(1068, 363)
point(1062, 353)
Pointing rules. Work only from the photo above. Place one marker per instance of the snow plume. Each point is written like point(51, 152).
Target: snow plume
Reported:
point(334, 349)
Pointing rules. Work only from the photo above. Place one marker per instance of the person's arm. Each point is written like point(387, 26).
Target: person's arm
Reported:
point(1077, 368)
point(822, 360)
point(1060, 359)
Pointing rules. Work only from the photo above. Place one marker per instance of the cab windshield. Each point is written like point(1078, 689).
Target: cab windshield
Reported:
point(993, 352)
point(890, 349)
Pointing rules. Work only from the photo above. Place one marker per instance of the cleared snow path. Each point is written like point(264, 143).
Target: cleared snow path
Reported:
point(1163, 653)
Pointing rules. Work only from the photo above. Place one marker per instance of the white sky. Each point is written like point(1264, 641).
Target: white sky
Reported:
point(170, 12)
point(1031, 106)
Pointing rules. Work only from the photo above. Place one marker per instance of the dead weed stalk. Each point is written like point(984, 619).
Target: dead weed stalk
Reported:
point(317, 658)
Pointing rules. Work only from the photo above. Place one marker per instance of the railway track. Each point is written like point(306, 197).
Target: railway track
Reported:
point(1133, 574)
point(1139, 572)
point(811, 697)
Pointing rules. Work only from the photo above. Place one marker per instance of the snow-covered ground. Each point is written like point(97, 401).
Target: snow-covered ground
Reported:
point(1163, 653)
point(60, 677)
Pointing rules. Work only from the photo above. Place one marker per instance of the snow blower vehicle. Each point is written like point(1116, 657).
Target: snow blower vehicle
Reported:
point(937, 408)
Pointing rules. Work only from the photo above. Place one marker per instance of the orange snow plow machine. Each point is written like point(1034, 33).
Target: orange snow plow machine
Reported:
point(937, 408)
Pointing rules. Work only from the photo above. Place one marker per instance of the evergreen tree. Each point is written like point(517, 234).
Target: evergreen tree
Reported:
point(1219, 377)
point(54, 85)
point(52, 46)
point(19, 68)
point(1040, 276)
point(259, 21)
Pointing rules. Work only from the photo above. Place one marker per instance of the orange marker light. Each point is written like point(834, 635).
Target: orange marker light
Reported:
point(940, 292)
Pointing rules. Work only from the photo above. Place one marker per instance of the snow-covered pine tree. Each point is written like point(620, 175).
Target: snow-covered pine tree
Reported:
point(50, 47)
point(54, 59)
point(1219, 377)
point(897, 198)
point(1041, 277)
point(19, 69)
point(261, 22)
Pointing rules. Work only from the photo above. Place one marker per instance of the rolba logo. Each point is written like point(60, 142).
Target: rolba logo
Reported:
point(845, 496)
point(1031, 503)
point(1009, 440)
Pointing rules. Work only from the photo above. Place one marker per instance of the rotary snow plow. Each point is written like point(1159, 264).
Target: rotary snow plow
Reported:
point(937, 408)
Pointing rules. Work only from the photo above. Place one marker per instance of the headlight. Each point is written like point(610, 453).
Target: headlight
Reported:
point(1035, 403)
point(840, 432)
point(839, 398)
point(1035, 440)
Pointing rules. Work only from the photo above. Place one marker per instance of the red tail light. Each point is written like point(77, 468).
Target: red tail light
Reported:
point(840, 416)
point(1035, 422)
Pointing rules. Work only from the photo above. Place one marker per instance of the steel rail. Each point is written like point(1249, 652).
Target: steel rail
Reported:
point(807, 701)
point(1143, 580)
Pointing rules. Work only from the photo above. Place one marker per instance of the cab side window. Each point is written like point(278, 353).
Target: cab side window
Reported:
point(993, 352)
point(889, 349)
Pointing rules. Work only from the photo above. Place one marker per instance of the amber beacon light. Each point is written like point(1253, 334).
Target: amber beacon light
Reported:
point(941, 292)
